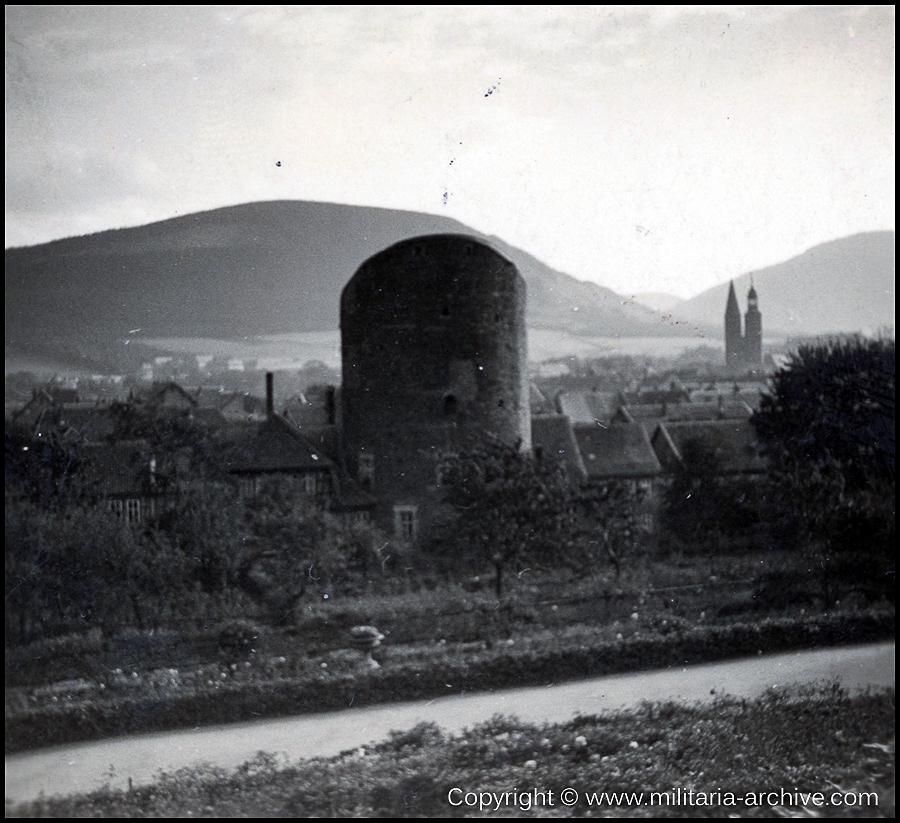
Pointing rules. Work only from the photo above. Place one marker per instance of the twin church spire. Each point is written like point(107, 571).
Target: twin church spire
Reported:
point(743, 341)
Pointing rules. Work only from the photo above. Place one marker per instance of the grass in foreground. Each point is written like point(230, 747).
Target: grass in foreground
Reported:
point(713, 760)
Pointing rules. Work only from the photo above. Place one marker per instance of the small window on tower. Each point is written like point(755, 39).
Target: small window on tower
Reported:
point(450, 404)
point(366, 471)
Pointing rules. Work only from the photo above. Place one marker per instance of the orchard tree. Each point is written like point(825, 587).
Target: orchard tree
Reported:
point(299, 547)
point(609, 516)
point(832, 406)
point(828, 428)
point(507, 507)
point(42, 469)
point(702, 506)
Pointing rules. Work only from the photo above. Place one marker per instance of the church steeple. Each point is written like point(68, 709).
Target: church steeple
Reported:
point(752, 331)
point(743, 342)
point(734, 338)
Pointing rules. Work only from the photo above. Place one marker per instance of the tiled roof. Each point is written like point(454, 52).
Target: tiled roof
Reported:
point(551, 434)
point(716, 410)
point(588, 407)
point(734, 443)
point(90, 424)
point(622, 450)
point(274, 445)
point(669, 395)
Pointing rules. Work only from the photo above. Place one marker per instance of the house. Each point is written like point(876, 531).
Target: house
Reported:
point(254, 451)
point(123, 475)
point(720, 409)
point(167, 395)
point(733, 444)
point(232, 406)
point(589, 406)
point(622, 452)
point(553, 438)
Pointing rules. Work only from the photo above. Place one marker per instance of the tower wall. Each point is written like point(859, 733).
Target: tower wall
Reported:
point(433, 344)
point(753, 338)
point(734, 339)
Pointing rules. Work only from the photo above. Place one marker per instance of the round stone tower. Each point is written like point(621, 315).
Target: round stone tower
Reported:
point(433, 353)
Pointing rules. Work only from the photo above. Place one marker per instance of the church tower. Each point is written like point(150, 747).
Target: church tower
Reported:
point(734, 338)
point(752, 331)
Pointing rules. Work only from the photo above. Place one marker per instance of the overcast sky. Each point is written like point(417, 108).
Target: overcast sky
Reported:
point(663, 148)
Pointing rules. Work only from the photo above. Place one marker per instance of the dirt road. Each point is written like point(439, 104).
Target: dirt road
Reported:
point(87, 766)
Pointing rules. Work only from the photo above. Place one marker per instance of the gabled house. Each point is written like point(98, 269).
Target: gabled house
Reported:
point(123, 475)
point(231, 406)
point(589, 406)
point(622, 452)
point(647, 415)
point(167, 395)
point(39, 411)
point(89, 423)
point(276, 448)
point(732, 443)
point(552, 438)
point(721, 409)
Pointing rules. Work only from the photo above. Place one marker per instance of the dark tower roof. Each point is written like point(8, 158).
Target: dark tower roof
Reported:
point(731, 307)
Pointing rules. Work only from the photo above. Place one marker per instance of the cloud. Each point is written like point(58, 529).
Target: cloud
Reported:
point(560, 128)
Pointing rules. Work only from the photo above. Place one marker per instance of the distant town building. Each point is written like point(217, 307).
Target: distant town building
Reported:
point(743, 342)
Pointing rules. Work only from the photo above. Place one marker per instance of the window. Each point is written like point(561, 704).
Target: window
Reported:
point(354, 518)
point(406, 522)
point(133, 510)
point(366, 471)
point(249, 486)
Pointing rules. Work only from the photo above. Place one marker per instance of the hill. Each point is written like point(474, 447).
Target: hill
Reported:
point(255, 269)
point(846, 285)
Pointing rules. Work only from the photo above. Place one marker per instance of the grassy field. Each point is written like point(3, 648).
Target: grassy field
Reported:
point(818, 752)
point(273, 674)
point(547, 628)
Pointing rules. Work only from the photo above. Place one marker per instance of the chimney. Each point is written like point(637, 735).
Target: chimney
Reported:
point(270, 394)
point(330, 405)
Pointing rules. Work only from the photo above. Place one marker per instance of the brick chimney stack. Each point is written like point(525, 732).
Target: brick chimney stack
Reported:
point(270, 394)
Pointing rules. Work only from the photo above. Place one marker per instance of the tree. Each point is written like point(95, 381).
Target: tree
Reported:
point(827, 426)
point(832, 406)
point(608, 514)
point(506, 507)
point(205, 526)
point(43, 469)
point(298, 546)
point(702, 506)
